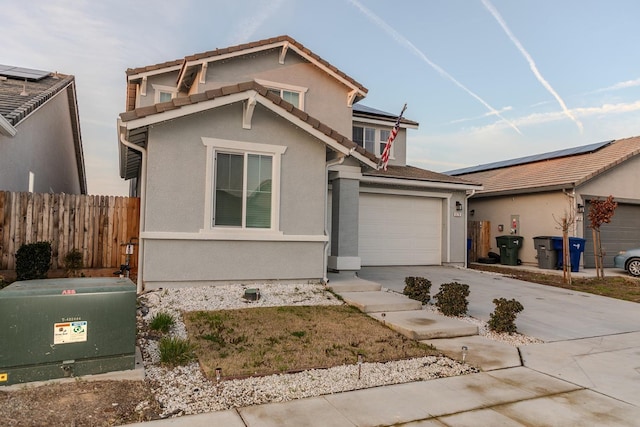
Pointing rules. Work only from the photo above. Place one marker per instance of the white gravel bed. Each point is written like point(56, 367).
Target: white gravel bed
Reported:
point(185, 390)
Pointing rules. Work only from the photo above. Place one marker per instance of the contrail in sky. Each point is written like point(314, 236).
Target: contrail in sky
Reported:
point(406, 43)
point(487, 4)
point(252, 23)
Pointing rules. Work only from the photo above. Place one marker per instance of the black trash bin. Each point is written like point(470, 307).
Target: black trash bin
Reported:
point(576, 248)
point(509, 247)
point(547, 254)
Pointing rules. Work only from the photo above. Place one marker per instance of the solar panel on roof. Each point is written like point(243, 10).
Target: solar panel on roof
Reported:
point(531, 159)
point(23, 73)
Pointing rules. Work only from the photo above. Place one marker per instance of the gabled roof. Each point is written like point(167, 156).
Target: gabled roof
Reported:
point(189, 65)
point(183, 106)
point(19, 97)
point(555, 172)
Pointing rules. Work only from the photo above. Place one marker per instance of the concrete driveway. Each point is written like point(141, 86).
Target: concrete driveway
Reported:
point(551, 314)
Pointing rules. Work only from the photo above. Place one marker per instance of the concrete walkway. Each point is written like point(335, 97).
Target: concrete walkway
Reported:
point(586, 373)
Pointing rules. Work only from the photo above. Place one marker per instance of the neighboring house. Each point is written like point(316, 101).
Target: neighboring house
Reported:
point(40, 141)
point(245, 162)
point(529, 195)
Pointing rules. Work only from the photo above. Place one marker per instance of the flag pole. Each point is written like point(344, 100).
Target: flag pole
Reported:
point(384, 158)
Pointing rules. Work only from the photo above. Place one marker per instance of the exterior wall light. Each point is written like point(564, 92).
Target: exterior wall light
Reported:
point(458, 206)
point(580, 208)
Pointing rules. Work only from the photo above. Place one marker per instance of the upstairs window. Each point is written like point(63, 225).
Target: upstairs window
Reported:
point(372, 139)
point(290, 93)
point(163, 93)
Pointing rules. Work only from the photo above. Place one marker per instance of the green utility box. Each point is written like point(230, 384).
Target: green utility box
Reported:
point(56, 328)
point(509, 247)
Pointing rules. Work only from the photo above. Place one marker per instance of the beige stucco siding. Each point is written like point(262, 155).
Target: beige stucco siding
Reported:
point(622, 181)
point(538, 215)
point(167, 80)
point(44, 145)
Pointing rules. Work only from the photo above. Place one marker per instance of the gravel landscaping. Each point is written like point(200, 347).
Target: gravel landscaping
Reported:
point(185, 390)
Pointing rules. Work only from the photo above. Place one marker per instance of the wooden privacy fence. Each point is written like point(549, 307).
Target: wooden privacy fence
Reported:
point(97, 226)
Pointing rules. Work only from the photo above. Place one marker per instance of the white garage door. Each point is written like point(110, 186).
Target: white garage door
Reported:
point(399, 230)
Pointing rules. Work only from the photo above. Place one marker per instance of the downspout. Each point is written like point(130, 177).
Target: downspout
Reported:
point(143, 186)
point(328, 165)
point(466, 228)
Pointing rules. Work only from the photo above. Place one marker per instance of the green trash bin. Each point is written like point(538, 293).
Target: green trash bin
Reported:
point(509, 247)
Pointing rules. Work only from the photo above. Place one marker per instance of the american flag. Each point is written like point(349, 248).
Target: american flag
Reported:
point(384, 159)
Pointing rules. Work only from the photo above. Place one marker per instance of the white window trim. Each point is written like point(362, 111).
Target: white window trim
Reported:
point(214, 145)
point(376, 140)
point(283, 86)
point(161, 88)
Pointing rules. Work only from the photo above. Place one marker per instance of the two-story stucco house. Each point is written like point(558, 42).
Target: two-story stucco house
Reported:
point(40, 141)
point(256, 162)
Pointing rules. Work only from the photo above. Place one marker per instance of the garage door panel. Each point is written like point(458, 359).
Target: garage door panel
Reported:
point(399, 230)
point(622, 233)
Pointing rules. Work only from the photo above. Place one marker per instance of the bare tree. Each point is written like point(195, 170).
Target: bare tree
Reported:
point(600, 212)
point(565, 223)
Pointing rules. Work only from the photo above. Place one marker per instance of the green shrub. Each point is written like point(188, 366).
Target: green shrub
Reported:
point(504, 317)
point(175, 351)
point(33, 261)
point(3, 284)
point(417, 288)
point(162, 322)
point(451, 299)
point(73, 262)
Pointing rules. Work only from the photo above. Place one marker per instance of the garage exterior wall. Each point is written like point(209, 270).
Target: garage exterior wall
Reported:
point(537, 214)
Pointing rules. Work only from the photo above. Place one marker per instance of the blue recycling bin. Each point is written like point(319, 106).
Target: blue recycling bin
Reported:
point(576, 248)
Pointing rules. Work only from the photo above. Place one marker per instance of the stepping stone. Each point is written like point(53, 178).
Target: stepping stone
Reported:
point(371, 302)
point(424, 325)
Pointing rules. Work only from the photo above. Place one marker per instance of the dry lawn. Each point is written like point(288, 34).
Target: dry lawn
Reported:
point(620, 287)
point(260, 341)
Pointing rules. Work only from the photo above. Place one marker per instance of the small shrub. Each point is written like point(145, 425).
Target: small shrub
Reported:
point(3, 284)
point(175, 351)
point(33, 261)
point(162, 322)
point(417, 288)
point(504, 316)
point(451, 299)
point(73, 263)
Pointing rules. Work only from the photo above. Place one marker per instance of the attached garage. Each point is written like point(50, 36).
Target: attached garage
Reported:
point(623, 232)
point(400, 230)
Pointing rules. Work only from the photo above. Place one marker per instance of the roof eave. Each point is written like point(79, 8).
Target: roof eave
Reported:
point(6, 128)
point(407, 182)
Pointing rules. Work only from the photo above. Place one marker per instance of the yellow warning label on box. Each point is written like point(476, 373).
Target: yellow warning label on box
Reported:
point(3, 377)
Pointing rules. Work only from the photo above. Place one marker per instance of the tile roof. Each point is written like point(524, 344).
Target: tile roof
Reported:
point(414, 173)
point(154, 67)
point(14, 107)
point(557, 172)
point(270, 41)
point(208, 95)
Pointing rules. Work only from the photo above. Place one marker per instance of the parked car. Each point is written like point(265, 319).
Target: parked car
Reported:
point(628, 260)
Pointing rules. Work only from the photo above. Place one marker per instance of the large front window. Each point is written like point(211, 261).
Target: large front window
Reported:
point(243, 190)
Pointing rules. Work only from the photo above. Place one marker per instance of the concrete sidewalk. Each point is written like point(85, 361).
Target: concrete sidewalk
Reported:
point(586, 374)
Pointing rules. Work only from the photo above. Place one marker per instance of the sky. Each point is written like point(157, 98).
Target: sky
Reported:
point(487, 80)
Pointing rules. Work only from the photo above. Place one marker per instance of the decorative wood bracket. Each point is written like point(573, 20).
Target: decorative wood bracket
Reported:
point(351, 96)
point(143, 86)
point(283, 53)
point(247, 113)
point(203, 73)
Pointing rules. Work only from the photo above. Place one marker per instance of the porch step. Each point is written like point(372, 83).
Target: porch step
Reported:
point(424, 325)
point(354, 285)
point(372, 302)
